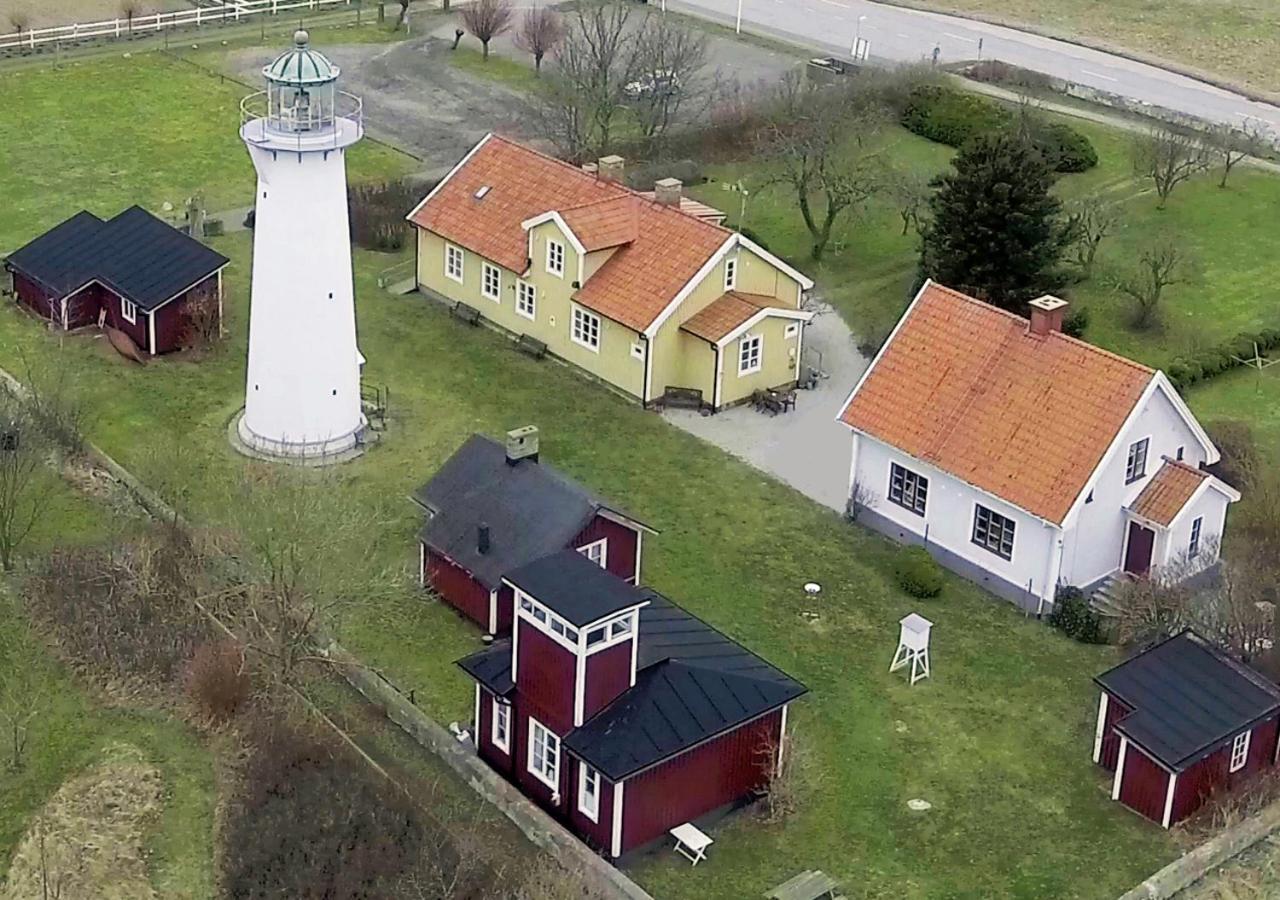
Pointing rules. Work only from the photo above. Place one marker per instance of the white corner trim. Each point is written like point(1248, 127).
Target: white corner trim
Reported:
point(475, 724)
point(493, 611)
point(443, 181)
point(1166, 386)
point(615, 848)
point(1168, 800)
point(1119, 776)
point(579, 685)
point(554, 216)
point(1114, 447)
point(1208, 483)
point(766, 313)
point(712, 261)
point(151, 331)
point(805, 282)
point(1098, 732)
point(782, 741)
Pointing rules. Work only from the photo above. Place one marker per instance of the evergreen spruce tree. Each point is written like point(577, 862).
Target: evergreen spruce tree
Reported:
point(996, 232)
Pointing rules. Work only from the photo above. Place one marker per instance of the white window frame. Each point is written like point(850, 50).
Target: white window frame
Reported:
point(1193, 545)
point(526, 299)
point(555, 257)
point(1132, 470)
point(597, 552)
point(452, 254)
point(539, 733)
point(985, 543)
point(588, 775)
point(913, 494)
point(748, 362)
point(1240, 751)
point(129, 311)
point(501, 723)
point(730, 273)
point(559, 630)
point(583, 318)
point(487, 270)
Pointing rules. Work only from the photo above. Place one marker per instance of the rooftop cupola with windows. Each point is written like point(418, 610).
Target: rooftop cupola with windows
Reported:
point(301, 105)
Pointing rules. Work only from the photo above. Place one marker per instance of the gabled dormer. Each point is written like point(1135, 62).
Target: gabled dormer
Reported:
point(575, 241)
point(574, 643)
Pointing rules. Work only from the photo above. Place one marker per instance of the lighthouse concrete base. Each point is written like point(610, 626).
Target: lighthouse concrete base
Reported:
point(310, 454)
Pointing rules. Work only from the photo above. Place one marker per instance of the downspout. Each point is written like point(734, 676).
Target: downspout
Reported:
point(648, 370)
point(715, 388)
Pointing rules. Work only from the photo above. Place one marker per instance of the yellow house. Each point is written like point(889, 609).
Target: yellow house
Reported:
point(644, 291)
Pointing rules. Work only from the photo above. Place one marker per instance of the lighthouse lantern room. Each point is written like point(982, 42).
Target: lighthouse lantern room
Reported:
point(302, 387)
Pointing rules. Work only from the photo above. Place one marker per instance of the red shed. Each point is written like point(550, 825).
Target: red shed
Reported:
point(1180, 721)
point(493, 508)
point(133, 272)
point(617, 711)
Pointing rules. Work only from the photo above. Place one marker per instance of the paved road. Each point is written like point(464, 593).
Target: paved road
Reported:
point(898, 35)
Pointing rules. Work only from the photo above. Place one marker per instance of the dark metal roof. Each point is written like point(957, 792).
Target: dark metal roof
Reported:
point(531, 509)
point(491, 667)
point(1188, 699)
point(136, 255)
point(575, 588)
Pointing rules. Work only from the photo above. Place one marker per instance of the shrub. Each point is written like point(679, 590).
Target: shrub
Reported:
point(1076, 322)
point(1072, 616)
point(1065, 149)
point(917, 572)
point(213, 228)
point(378, 214)
point(993, 71)
point(217, 680)
point(1234, 440)
point(949, 116)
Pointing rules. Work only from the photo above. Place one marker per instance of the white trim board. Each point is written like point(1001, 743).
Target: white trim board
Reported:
point(765, 313)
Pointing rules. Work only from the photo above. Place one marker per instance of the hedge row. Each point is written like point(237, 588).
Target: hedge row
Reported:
point(1187, 370)
point(953, 117)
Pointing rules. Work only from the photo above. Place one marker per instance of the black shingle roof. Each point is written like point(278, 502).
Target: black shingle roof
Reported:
point(692, 684)
point(575, 588)
point(136, 255)
point(531, 509)
point(1188, 699)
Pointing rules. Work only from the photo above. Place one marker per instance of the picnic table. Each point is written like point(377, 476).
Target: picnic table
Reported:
point(691, 843)
point(811, 885)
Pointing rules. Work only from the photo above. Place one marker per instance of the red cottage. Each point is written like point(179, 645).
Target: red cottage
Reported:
point(1180, 721)
point(618, 712)
point(134, 273)
point(495, 508)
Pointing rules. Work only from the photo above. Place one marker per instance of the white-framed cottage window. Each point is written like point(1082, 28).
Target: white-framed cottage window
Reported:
point(555, 258)
point(501, 725)
point(750, 352)
point(907, 489)
point(491, 282)
point(1240, 751)
point(596, 551)
point(128, 311)
point(731, 273)
point(1193, 546)
point(1136, 465)
point(544, 754)
point(585, 329)
point(548, 622)
point(993, 532)
point(588, 792)
point(453, 262)
point(526, 299)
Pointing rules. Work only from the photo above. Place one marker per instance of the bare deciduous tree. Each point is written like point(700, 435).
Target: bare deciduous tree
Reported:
point(487, 19)
point(911, 191)
point(1162, 262)
point(26, 489)
point(1169, 156)
point(541, 31)
point(20, 19)
point(403, 18)
point(129, 9)
point(1089, 223)
point(860, 497)
point(1233, 145)
point(669, 59)
point(202, 323)
point(785, 766)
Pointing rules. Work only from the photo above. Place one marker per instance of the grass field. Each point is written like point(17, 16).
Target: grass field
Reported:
point(1237, 39)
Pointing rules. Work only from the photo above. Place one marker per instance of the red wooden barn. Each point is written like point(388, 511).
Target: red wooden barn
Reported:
point(133, 272)
point(617, 711)
point(1180, 721)
point(493, 508)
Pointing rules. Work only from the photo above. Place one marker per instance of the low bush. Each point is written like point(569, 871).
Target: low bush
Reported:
point(917, 573)
point(1234, 440)
point(1187, 370)
point(993, 71)
point(378, 214)
point(1076, 322)
point(1064, 148)
point(217, 679)
point(1072, 616)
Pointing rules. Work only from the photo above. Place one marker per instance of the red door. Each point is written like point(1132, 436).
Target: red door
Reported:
point(1137, 557)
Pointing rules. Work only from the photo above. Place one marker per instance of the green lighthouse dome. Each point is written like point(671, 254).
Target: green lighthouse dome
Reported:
point(301, 65)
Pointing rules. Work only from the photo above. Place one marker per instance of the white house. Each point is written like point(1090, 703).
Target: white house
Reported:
point(1026, 459)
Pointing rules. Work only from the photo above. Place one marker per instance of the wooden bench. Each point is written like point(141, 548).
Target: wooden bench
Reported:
point(682, 398)
point(464, 313)
point(531, 346)
point(810, 885)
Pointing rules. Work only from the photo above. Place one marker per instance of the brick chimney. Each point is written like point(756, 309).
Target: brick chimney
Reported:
point(611, 168)
point(668, 191)
point(1047, 313)
point(482, 538)
point(522, 443)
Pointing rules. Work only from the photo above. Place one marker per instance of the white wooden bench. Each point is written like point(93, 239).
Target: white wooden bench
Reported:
point(691, 843)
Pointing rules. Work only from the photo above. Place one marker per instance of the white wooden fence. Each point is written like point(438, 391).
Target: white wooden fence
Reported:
point(226, 11)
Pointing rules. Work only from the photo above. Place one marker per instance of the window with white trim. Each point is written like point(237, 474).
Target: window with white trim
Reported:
point(731, 273)
point(750, 351)
point(1240, 751)
point(491, 282)
point(993, 532)
point(555, 258)
point(585, 329)
point(128, 311)
point(1135, 466)
point(1193, 547)
point(501, 729)
point(908, 489)
point(596, 551)
point(544, 754)
point(526, 299)
point(589, 792)
point(453, 262)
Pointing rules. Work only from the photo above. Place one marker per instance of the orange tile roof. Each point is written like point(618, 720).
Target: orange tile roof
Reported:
point(632, 287)
point(722, 315)
point(968, 388)
point(1168, 491)
point(604, 223)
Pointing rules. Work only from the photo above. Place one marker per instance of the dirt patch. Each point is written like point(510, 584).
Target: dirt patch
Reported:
point(89, 839)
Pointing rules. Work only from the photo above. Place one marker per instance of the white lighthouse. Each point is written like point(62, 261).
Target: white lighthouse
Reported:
point(302, 388)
